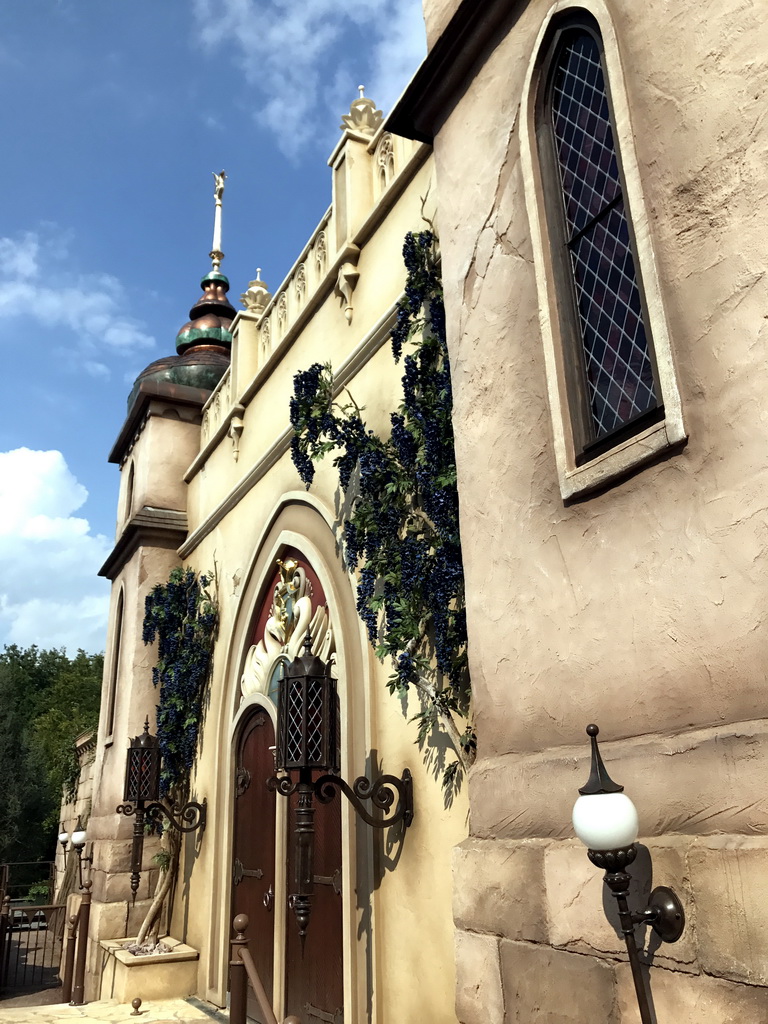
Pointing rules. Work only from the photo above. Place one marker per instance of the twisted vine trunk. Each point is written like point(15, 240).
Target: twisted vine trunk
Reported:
point(172, 841)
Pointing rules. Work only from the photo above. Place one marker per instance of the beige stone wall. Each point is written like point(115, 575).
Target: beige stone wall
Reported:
point(642, 606)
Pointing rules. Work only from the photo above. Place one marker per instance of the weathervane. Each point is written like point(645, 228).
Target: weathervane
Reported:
point(216, 254)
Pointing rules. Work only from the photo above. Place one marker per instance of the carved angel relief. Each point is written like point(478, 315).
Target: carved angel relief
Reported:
point(291, 615)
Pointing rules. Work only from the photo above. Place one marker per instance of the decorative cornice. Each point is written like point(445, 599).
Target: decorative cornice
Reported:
point(377, 337)
point(445, 73)
point(85, 742)
point(151, 528)
point(149, 390)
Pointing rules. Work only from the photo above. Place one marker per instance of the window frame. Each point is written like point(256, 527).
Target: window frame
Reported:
point(583, 467)
point(587, 445)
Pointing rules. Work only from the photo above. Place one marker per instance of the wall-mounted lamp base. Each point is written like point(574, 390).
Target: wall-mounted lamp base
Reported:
point(665, 914)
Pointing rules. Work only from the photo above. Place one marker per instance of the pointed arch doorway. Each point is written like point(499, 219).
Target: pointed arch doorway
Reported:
point(308, 981)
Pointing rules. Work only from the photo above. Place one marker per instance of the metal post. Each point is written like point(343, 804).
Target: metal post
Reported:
point(5, 937)
point(69, 959)
point(137, 848)
point(78, 989)
point(301, 900)
point(238, 982)
point(618, 883)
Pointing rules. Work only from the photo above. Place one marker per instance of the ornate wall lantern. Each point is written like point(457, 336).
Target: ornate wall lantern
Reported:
point(142, 784)
point(308, 743)
point(605, 820)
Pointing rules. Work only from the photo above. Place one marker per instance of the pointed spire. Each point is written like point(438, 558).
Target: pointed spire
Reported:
point(599, 780)
point(211, 316)
point(218, 194)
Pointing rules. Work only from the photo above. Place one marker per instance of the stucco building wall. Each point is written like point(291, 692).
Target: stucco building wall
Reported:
point(641, 606)
point(214, 488)
point(396, 910)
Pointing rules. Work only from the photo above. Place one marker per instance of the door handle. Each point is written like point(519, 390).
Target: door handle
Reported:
point(269, 898)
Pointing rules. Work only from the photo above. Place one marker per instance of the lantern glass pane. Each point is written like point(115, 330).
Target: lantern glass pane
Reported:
point(314, 722)
point(141, 780)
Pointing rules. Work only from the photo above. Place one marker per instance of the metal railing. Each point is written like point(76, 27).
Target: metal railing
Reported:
point(242, 970)
point(30, 945)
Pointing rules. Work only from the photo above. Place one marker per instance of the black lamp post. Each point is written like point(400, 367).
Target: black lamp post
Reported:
point(142, 784)
point(605, 820)
point(78, 840)
point(308, 743)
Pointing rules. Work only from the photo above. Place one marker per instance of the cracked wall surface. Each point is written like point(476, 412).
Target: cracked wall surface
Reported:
point(641, 607)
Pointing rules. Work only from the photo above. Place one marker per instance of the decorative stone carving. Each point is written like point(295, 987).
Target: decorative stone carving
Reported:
point(236, 425)
point(216, 408)
point(363, 116)
point(385, 160)
point(290, 616)
point(321, 253)
point(266, 336)
point(257, 297)
point(346, 283)
point(282, 312)
point(300, 283)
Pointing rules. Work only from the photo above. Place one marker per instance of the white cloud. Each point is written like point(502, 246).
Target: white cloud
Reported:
point(297, 57)
point(49, 592)
point(38, 285)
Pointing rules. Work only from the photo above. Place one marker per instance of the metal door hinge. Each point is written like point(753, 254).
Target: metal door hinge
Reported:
point(239, 872)
point(332, 1018)
point(334, 880)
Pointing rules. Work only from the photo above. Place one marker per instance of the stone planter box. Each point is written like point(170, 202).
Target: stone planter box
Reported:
point(164, 976)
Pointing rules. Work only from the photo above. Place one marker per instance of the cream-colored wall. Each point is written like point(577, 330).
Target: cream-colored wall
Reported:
point(437, 14)
point(411, 942)
point(640, 607)
point(167, 445)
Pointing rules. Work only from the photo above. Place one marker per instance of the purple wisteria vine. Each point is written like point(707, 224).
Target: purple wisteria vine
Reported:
point(401, 533)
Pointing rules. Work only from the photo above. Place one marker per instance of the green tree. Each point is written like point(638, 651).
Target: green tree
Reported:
point(46, 701)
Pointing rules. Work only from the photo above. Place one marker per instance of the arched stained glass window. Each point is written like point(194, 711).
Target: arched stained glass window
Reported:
point(613, 386)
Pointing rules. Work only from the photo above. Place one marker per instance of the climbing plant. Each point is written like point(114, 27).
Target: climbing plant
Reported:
point(182, 616)
point(401, 530)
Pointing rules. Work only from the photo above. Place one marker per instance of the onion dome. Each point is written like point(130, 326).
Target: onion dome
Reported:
point(211, 316)
point(201, 366)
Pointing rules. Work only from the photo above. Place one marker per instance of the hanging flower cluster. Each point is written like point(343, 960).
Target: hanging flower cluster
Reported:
point(182, 615)
point(402, 534)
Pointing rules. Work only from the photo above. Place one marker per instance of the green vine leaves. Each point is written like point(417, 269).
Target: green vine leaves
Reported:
point(182, 615)
point(401, 535)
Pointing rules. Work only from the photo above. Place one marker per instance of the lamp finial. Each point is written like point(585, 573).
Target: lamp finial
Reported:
point(599, 780)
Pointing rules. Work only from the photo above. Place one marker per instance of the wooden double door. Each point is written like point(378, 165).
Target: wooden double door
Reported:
point(312, 977)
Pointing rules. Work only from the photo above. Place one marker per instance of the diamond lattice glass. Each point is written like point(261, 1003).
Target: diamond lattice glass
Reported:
point(617, 359)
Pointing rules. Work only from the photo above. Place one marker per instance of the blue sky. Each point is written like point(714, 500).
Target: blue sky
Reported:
point(115, 115)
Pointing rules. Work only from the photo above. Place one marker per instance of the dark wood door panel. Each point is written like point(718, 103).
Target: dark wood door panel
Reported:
point(253, 856)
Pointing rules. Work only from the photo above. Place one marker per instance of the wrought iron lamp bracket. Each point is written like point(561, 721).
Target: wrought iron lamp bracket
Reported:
point(282, 784)
point(194, 813)
point(381, 792)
